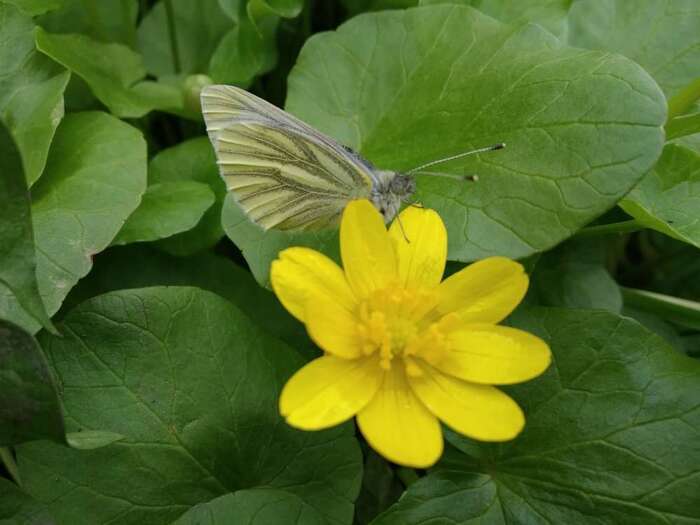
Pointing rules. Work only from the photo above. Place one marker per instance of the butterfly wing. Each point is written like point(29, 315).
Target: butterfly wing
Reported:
point(283, 173)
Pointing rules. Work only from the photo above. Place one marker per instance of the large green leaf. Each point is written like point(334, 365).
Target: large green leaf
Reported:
point(17, 508)
point(611, 437)
point(661, 35)
point(113, 71)
point(668, 198)
point(29, 408)
point(95, 176)
point(31, 90)
point(192, 384)
point(17, 257)
point(199, 27)
point(192, 160)
point(461, 80)
point(253, 507)
point(166, 209)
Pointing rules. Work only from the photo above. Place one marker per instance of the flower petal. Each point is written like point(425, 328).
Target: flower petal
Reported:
point(398, 426)
point(421, 247)
point(367, 252)
point(301, 273)
point(484, 292)
point(480, 412)
point(492, 355)
point(333, 328)
point(328, 391)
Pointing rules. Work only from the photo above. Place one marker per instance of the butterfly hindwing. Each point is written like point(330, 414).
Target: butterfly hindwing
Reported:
point(282, 172)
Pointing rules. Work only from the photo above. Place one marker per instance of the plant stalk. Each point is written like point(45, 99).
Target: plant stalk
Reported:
point(679, 311)
point(408, 476)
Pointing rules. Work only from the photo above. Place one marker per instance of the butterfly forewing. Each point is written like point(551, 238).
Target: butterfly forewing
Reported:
point(283, 173)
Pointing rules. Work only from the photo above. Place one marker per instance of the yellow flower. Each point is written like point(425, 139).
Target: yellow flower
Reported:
point(403, 350)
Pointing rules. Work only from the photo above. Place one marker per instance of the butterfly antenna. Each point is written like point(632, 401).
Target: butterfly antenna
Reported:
point(403, 232)
point(494, 147)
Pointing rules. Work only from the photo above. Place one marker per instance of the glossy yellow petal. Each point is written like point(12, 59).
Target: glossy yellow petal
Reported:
point(398, 426)
point(328, 391)
point(333, 328)
point(301, 273)
point(480, 412)
point(420, 242)
point(484, 292)
point(367, 252)
point(492, 355)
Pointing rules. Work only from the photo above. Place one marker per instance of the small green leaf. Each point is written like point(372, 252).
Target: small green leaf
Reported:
point(17, 508)
point(661, 35)
point(254, 506)
point(113, 71)
point(95, 177)
point(611, 437)
point(31, 90)
point(192, 160)
point(683, 126)
point(192, 385)
point(668, 198)
point(92, 439)
point(199, 27)
point(17, 258)
point(166, 209)
point(30, 408)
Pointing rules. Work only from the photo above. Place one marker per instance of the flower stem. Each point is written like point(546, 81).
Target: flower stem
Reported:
point(408, 476)
point(630, 226)
point(680, 311)
point(8, 460)
point(170, 15)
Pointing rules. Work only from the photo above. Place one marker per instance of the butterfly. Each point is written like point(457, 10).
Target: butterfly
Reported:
point(286, 175)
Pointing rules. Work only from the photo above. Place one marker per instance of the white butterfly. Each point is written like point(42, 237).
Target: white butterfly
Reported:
point(286, 175)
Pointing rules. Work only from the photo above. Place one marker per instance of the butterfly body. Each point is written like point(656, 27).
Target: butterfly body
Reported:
point(286, 175)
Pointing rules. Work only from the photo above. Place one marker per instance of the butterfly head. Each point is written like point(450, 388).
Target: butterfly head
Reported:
point(391, 190)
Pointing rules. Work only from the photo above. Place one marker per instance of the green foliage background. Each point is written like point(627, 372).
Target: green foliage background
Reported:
point(141, 354)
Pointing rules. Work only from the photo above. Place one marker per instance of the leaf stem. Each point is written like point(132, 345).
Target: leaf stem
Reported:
point(632, 225)
point(680, 311)
point(129, 27)
point(408, 476)
point(8, 460)
point(172, 34)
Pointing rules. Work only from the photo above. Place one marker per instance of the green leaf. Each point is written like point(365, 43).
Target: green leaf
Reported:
point(30, 407)
point(661, 35)
point(166, 209)
point(17, 257)
point(17, 508)
point(283, 8)
point(573, 275)
point(192, 160)
point(380, 488)
point(254, 506)
point(37, 7)
point(92, 439)
point(31, 90)
point(199, 27)
point(113, 71)
point(192, 384)
point(668, 198)
point(683, 126)
point(557, 108)
point(95, 177)
point(683, 101)
point(611, 437)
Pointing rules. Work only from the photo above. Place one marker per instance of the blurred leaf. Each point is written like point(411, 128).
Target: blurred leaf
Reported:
point(360, 6)
point(661, 35)
point(573, 275)
point(31, 90)
point(284, 8)
point(173, 369)
point(380, 488)
point(92, 439)
point(37, 7)
point(17, 257)
point(192, 160)
point(17, 508)
point(113, 71)
point(611, 436)
point(29, 409)
point(199, 27)
point(247, 507)
point(668, 198)
point(104, 20)
point(95, 176)
point(166, 209)
point(683, 101)
point(683, 126)
point(557, 108)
